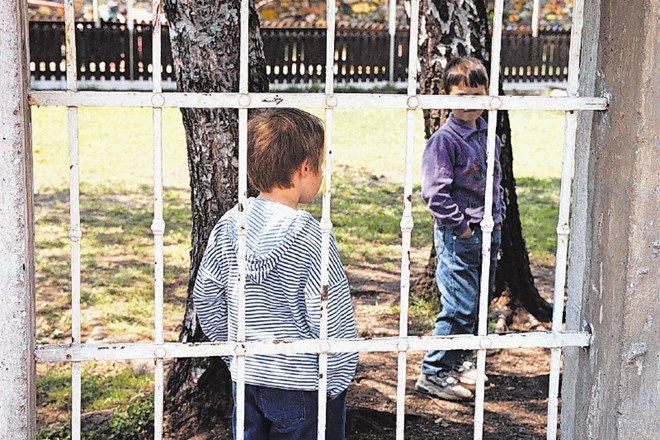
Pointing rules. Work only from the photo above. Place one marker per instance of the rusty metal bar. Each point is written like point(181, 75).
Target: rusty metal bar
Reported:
point(102, 352)
point(158, 225)
point(311, 100)
point(244, 98)
point(407, 222)
point(563, 228)
point(75, 232)
point(487, 223)
point(326, 222)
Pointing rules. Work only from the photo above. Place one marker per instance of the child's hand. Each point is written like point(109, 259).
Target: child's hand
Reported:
point(467, 233)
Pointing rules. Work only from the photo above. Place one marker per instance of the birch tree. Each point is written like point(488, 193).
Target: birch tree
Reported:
point(205, 39)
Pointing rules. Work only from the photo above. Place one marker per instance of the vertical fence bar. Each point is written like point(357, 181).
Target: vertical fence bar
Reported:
point(391, 30)
point(326, 222)
point(158, 225)
point(487, 223)
point(75, 233)
point(130, 27)
point(563, 228)
point(17, 314)
point(535, 18)
point(407, 222)
point(242, 214)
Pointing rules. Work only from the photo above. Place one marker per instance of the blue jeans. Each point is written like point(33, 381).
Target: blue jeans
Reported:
point(457, 275)
point(276, 414)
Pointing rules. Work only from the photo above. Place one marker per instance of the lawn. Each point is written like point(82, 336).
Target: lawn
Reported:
point(116, 215)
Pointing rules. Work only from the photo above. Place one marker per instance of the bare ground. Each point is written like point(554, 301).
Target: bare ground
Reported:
point(515, 397)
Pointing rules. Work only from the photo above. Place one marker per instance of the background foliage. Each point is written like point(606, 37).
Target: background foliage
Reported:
point(554, 14)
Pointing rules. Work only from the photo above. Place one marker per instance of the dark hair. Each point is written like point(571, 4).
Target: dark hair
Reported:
point(279, 141)
point(464, 70)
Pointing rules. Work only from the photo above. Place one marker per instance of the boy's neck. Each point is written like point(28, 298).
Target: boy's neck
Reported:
point(284, 196)
point(471, 124)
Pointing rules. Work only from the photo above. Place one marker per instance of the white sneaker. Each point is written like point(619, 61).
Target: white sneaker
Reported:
point(467, 373)
point(442, 385)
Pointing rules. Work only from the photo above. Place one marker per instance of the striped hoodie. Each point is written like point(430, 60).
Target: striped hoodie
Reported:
point(282, 295)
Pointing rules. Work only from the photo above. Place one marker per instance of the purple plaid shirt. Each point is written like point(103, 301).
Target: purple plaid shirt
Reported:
point(454, 175)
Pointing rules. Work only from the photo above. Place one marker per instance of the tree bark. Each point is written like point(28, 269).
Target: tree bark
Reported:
point(451, 28)
point(205, 38)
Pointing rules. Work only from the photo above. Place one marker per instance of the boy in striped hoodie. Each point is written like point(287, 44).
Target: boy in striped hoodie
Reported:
point(283, 284)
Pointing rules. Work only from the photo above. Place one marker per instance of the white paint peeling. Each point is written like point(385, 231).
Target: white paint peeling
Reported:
point(656, 249)
point(594, 403)
point(637, 350)
point(99, 352)
point(17, 381)
point(308, 100)
point(648, 324)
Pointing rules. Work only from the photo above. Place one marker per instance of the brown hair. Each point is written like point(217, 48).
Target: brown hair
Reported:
point(464, 70)
point(279, 141)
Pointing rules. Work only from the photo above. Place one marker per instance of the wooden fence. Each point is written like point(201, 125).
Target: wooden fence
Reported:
point(293, 55)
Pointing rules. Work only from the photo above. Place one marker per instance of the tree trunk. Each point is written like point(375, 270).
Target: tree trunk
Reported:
point(451, 28)
point(205, 42)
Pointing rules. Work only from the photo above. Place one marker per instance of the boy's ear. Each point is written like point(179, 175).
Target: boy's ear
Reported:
point(442, 92)
point(305, 167)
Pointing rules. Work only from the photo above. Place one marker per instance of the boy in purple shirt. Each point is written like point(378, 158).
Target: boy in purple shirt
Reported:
point(454, 187)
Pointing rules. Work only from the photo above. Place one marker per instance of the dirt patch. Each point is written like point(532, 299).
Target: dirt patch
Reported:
point(516, 396)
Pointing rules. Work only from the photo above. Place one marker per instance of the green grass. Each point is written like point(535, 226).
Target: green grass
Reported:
point(103, 387)
point(98, 391)
point(116, 206)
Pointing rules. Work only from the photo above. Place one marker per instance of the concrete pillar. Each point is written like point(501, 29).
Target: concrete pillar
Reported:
point(17, 372)
point(612, 389)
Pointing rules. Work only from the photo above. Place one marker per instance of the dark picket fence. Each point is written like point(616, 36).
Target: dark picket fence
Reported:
point(293, 55)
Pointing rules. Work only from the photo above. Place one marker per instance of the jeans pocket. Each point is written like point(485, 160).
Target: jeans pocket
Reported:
point(468, 250)
point(439, 240)
point(284, 408)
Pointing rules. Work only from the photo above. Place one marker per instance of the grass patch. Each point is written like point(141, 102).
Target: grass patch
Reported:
point(366, 215)
point(539, 213)
point(116, 262)
point(104, 386)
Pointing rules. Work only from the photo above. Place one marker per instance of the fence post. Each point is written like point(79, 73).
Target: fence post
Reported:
point(610, 391)
point(17, 366)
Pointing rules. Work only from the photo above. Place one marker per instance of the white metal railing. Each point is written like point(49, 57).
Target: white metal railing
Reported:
point(76, 353)
point(312, 100)
point(487, 224)
point(326, 223)
point(75, 232)
point(158, 225)
point(563, 230)
point(242, 217)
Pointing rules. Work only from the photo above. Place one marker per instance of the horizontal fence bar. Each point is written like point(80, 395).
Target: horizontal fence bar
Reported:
point(311, 100)
point(119, 351)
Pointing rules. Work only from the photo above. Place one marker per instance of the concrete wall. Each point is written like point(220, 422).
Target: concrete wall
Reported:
point(612, 390)
point(17, 387)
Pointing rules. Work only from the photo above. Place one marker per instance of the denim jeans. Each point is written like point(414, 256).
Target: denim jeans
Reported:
point(458, 275)
point(277, 414)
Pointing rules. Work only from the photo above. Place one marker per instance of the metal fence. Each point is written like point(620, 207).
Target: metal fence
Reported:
point(117, 52)
point(77, 353)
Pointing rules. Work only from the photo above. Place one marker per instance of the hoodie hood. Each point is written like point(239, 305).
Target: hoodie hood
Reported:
point(273, 229)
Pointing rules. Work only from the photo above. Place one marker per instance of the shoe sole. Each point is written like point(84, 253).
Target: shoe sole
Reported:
point(444, 396)
point(467, 381)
